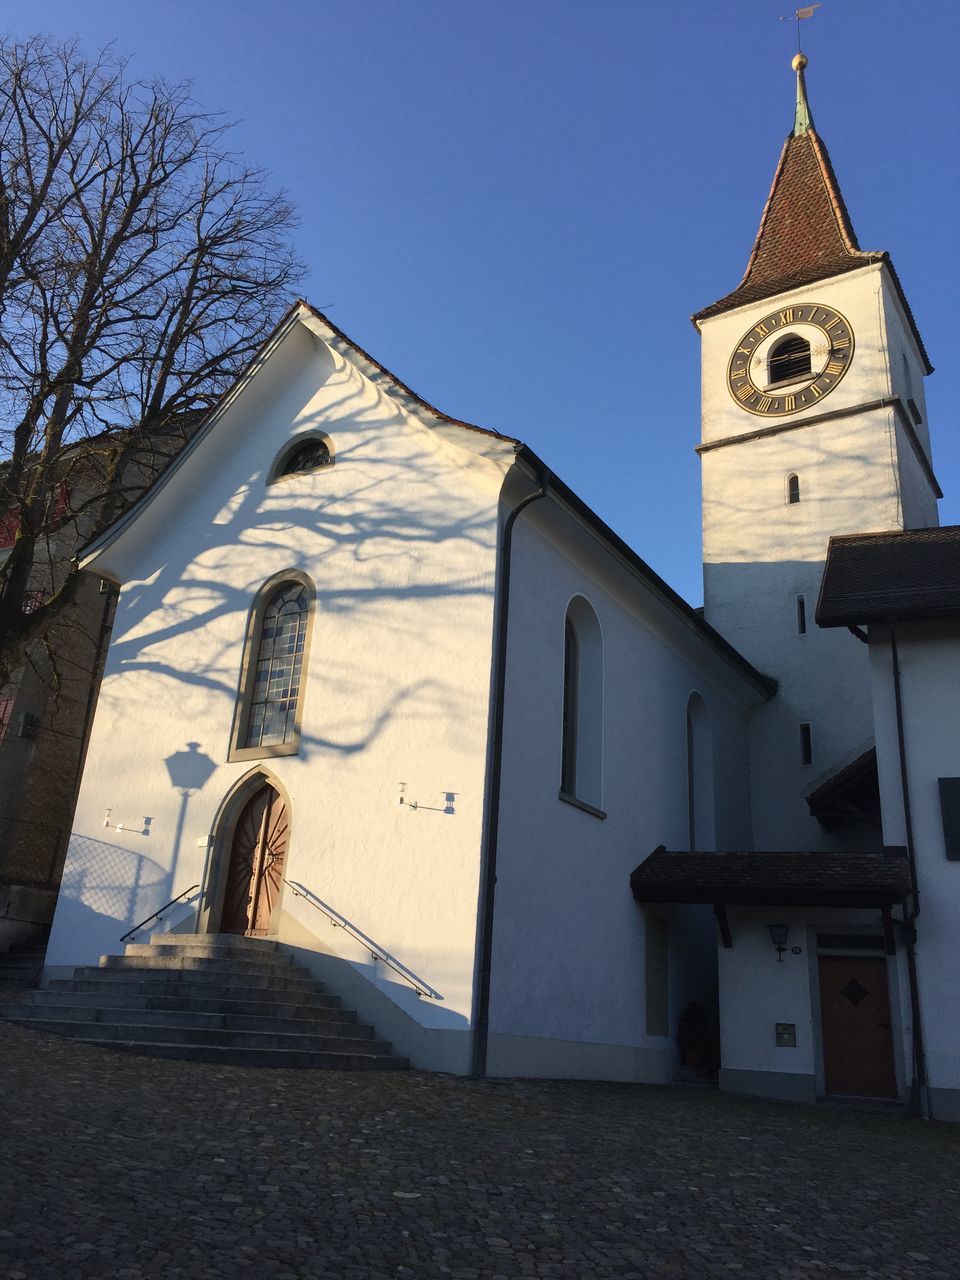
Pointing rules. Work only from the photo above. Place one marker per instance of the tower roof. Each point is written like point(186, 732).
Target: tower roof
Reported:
point(805, 231)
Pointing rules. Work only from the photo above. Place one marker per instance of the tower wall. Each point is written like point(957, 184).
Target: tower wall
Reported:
point(857, 469)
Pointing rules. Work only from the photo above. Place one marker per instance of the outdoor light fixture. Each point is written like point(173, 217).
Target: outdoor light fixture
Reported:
point(778, 936)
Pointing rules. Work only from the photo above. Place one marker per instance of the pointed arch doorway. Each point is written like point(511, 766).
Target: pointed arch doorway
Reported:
point(258, 852)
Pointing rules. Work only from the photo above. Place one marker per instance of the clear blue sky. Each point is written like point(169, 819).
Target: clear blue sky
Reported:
point(516, 206)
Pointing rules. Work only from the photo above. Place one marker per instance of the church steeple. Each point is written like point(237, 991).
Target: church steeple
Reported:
point(805, 231)
point(802, 120)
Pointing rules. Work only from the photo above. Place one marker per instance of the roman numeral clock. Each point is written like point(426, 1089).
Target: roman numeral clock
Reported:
point(790, 360)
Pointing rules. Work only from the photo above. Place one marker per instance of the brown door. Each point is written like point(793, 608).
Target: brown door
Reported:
point(256, 864)
point(857, 1044)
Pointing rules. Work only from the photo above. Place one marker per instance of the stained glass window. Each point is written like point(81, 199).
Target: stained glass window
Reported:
point(310, 456)
point(272, 719)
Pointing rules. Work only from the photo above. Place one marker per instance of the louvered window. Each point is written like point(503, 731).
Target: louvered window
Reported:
point(789, 360)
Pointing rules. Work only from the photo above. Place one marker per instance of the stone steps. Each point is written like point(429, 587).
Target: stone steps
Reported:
point(90, 979)
point(330, 1022)
point(174, 1034)
point(261, 1057)
point(181, 999)
point(206, 999)
point(21, 967)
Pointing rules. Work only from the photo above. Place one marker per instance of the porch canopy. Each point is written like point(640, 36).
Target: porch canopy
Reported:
point(721, 880)
point(773, 879)
point(850, 794)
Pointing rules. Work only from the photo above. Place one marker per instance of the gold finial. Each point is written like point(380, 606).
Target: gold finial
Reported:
point(799, 61)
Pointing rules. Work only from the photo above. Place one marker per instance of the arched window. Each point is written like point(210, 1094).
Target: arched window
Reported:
point(581, 764)
point(701, 804)
point(789, 360)
point(271, 686)
point(310, 454)
point(793, 489)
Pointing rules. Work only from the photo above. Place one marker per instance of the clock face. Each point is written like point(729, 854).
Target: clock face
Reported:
point(790, 360)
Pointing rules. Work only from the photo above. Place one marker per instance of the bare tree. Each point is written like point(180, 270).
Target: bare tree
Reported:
point(141, 265)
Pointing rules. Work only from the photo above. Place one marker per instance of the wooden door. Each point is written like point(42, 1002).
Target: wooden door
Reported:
point(857, 1044)
point(255, 872)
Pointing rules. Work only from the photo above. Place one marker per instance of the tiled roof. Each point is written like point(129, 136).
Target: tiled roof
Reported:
point(773, 879)
point(805, 233)
point(870, 577)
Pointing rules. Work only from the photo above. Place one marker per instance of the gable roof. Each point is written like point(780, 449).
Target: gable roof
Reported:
point(873, 577)
point(301, 312)
point(398, 388)
point(805, 232)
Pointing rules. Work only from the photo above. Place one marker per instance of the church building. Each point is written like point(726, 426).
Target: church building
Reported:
point(384, 691)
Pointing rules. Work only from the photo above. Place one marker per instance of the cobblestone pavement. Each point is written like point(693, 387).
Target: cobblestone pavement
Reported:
point(123, 1167)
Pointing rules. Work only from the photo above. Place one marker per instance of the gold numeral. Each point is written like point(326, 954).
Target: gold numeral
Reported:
point(838, 343)
point(790, 403)
point(835, 367)
point(817, 391)
point(764, 403)
point(786, 317)
point(762, 330)
point(832, 324)
point(746, 351)
point(745, 391)
point(739, 373)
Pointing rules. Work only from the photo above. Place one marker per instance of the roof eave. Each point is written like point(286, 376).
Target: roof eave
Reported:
point(764, 685)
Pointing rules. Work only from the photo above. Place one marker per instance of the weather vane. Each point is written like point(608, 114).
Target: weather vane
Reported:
point(806, 12)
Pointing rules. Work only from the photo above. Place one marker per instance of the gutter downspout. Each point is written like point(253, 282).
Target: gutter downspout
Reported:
point(919, 1091)
point(111, 595)
point(491, 823)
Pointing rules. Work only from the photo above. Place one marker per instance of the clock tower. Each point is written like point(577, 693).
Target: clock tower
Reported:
point(813, 424)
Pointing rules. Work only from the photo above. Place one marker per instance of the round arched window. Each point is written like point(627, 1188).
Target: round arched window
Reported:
point(309, 456)
point(789, 359)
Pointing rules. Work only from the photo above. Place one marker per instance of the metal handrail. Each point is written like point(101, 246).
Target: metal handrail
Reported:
point(339, 922)
point(157, 914)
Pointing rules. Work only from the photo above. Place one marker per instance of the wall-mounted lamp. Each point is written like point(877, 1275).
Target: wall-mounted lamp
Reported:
point(778, 936)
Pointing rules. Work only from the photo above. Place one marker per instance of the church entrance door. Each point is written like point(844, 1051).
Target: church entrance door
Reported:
point(857, 1044)
point(255, 872)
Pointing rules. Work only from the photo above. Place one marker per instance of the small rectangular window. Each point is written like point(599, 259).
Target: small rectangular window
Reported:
point(914, 411)
point(801, 615)
point(806, 745)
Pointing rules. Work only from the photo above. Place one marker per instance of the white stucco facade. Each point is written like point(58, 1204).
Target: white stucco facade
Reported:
point(569, 949)
point(399, 539)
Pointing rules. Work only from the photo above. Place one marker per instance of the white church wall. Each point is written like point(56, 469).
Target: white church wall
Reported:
point(929, 656)
point(399, 538)
point(568, 963)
